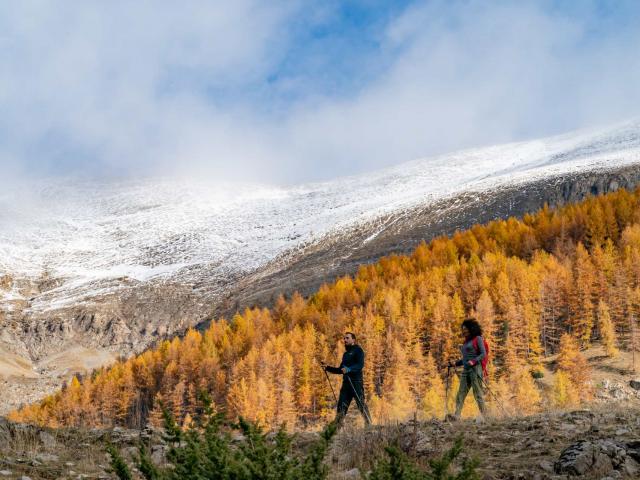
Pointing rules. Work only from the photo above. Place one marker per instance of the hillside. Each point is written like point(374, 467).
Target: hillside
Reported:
point(94, 270)
point(551, 283)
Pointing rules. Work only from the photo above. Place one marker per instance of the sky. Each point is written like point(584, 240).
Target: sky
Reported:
point(297, 91)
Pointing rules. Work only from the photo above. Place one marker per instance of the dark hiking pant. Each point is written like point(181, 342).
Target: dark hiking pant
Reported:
point(471, 378)
point(347, 393)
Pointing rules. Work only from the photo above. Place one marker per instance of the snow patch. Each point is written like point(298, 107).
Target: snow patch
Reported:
point(100, 236)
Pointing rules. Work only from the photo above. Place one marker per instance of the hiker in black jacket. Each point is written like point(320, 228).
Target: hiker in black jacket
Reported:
point(352, 385)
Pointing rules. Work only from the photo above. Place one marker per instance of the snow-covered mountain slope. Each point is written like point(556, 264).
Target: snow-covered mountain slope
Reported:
point(80, 233)
point(115, 265)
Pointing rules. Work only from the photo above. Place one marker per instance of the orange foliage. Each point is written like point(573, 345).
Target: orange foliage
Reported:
point(528, 281)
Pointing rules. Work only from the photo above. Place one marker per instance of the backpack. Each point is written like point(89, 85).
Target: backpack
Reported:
point(485, 360)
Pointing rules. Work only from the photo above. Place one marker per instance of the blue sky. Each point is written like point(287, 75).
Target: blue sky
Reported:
point(290, 91)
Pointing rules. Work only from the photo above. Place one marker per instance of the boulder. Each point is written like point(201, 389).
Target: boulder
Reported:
point(632, 468)
point(599, 457)
point(581, 458)
point(635, 384)
point(633, 452)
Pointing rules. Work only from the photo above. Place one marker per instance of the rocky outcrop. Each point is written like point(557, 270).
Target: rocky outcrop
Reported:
point(616, 390)
point(600, 457)
point(41, 350)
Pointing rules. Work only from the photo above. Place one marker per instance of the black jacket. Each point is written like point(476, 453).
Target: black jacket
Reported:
point(353, 359)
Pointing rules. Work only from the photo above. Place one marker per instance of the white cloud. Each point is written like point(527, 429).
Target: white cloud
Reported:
point(125, 86)
point(113, 82)
point(476, 74)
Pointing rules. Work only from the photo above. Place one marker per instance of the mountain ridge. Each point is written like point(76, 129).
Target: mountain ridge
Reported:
point(117, 308)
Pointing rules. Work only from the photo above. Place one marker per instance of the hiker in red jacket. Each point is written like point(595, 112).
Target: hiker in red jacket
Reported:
point(474, 360)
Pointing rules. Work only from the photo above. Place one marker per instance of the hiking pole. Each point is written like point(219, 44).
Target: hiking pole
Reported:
point(446, 392)
point(330, 384)
point(363, 407)
point(495, 397)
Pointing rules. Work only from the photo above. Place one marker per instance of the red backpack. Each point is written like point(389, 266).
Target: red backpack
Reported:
point(485, 360)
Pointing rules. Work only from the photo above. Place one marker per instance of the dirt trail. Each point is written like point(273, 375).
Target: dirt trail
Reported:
point(524, 447)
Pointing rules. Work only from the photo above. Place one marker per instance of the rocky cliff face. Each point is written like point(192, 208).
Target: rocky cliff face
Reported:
point(40, 348)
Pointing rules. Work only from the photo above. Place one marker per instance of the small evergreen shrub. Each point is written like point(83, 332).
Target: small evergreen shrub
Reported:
point(399, 467)
point(118, 465)
point(207, 452)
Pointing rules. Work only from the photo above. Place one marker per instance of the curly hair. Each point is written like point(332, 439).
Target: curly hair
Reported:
point(473, 326)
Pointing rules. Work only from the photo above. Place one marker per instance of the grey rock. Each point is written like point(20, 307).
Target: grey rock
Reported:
point(635, 384)
point(423, 446)
point(568, 427)
point(546, 465)
point(631, 468)
point(353, 473)
point(633, 450)
point(619, 394)
point(581, 458)
point(615, 475)
point(158, 454)
point(5, 473)
point(131, 451)
point(47, 457)
point(47, 439)
point(600, 457)
point(532, 444)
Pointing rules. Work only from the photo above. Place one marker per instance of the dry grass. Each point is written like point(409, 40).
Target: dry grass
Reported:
point(51, 454)
point(506, 447)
